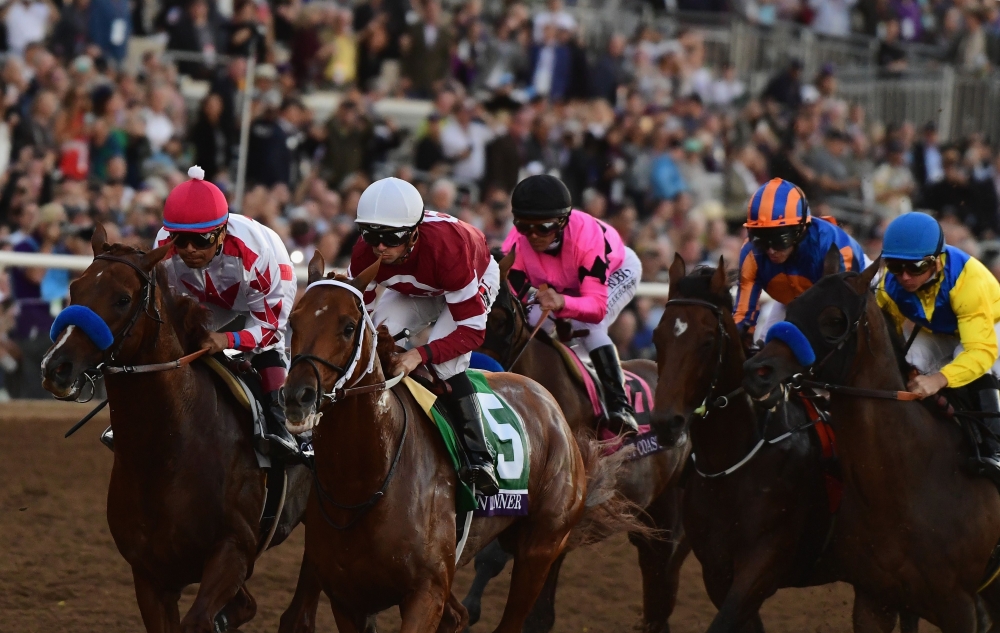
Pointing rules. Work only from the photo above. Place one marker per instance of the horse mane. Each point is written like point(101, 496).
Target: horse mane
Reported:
point(897, 346)
point(698, 285)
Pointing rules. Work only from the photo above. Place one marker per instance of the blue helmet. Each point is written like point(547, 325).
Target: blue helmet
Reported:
point(912, 236)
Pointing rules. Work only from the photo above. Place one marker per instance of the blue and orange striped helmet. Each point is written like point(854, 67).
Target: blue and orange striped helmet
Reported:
point(777, 203)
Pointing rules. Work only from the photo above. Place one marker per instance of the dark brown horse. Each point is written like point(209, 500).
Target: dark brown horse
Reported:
point(186, 493)
point(763, 525)
point(381, 522)
point(649, 483)
point(914, 531)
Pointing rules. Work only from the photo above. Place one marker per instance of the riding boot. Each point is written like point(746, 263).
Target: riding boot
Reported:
point(276, 442)
point(989, 447)
point(621, 415)
point(108, 439)
point(467, 420)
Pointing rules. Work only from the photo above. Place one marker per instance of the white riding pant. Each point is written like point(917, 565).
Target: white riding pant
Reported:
point(400, 312)
point(622, 286)
point(930, 352)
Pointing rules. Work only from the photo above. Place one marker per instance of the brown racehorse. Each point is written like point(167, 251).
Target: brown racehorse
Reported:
point(764, 525)
point(381, 522)
point(649, 483)
point(186, 493)
point(914, 531)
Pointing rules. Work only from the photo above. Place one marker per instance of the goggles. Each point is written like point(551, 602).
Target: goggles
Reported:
point(777, 239)
point(390, 237)
point(911, 268)
point(198, 240)
point(542, 229)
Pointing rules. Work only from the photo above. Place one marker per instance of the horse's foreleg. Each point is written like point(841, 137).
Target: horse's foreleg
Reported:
point(422, 609)
point(240, 609)
point(490, 561)
point(158, 607)
point(455, 618)
point(223, 576)
point(538, 547)
point(300, 616)
point(871, 615)
point(755, 579)
point(543, 615)
point(348, 623)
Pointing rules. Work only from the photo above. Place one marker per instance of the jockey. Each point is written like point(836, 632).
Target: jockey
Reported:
point(435, 269)
point(235, 267)
point(591, 276)
point(784, 255)
point(955, 301)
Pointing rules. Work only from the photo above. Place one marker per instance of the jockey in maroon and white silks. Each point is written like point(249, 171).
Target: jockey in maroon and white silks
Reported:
point(435, 270)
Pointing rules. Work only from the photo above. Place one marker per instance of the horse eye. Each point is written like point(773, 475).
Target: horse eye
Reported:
point(349, 330)
point(123, 301)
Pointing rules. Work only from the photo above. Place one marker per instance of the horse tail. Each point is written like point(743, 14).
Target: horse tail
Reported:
point(606, 510)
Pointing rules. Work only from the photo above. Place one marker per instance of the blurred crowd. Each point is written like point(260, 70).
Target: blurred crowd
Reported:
point(645, 134)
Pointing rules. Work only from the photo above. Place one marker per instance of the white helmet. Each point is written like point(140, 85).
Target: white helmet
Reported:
point(390, 202)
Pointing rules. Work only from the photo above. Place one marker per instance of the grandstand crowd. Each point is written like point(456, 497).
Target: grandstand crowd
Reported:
point(646, 135)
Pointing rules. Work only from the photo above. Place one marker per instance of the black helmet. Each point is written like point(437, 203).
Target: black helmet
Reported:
point(540, 197)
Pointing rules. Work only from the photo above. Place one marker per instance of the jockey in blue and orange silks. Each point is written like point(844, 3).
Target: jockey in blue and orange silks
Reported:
point(784, 255)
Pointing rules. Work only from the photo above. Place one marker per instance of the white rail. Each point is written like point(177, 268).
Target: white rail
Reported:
point(80, 262)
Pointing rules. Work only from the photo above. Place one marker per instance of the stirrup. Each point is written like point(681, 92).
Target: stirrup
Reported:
point(108, 439)
point(483, 478)
point(622, 425)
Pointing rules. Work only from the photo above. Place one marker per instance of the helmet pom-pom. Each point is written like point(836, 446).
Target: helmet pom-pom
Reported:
point(196, 172)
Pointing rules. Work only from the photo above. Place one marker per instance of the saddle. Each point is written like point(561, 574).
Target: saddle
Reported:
point(242, 381)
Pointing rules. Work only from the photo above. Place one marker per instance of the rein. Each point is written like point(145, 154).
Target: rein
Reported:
point(339, 392)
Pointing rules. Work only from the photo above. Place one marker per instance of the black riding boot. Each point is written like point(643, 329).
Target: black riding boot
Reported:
point(621, 415)
point(277, 442)
point(108, 439)
point(989, 447)
point(467, 420)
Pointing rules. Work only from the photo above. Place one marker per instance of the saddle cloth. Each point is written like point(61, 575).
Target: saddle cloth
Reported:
point(508, 442)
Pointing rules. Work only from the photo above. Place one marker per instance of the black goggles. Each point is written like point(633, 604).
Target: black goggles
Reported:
point(198, 240)
point(776, 239)
point(911, 268)
point(389, 237)
point(543, 229)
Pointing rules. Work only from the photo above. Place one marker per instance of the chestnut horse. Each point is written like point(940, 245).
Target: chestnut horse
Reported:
point(914, 531)
point(649, 483)
point(381, 522)
point(186, 493)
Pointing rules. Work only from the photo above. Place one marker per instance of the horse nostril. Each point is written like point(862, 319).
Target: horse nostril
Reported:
point(763, 371)
point(64, 369)
point(307, 397)
point(678, 421)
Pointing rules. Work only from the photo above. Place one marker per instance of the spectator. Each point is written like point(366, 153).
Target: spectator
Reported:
point(971, 55)
point(892, 182)
point(891, 57)
point(911, 20)
point(348, 136)
point(726, 89)
point(159, 125)
point(464, 142)
point(927, 163)
point(104, 145)
point(505, 155)
point(340, 49)
point(71, 34)
point(785, 88)
point(746, 172)
point(272, 152)
point(111, 27)
point(195, 33)
point(830, 176)
point(211, 138)
point(505, 56)
point(550, 65)
point(37, 130)
point(137, 149)
point(429, 155)
point(609, 73)
point(665, 178)
point(832, 17)
point(426, 51)
point(27, 22)
point(556, 16)
point(443, 195)
point(373, 50)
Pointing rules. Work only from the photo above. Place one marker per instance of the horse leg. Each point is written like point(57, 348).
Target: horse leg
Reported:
point(543, 615)
point(660, 562)
point(158, 607)
point(754, 581)
point(240, 609)
point(871, 615)
point(224, 574)
point(455, 617)
point(422, 609)
point(352, 623)
point(300, 616)
point(490, 561)
point(909, 622)
point(536, 551)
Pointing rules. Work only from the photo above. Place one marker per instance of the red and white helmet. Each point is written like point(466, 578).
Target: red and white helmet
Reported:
point(390, 202)
point(195, 206)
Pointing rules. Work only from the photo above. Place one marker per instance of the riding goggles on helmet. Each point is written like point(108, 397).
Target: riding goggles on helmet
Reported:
point(198, 240)
point(777, 239)
point(542, 229)
point(910, 267)
point(390, 237)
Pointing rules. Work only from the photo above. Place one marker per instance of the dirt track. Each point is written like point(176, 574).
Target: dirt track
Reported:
point(60, 571)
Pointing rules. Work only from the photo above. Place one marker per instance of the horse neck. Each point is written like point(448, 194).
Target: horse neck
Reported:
point(725, 436)
point(358, 435)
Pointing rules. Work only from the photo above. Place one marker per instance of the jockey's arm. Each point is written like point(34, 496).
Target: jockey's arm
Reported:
point(971, 301)
point(268, 305)
point(747, 307)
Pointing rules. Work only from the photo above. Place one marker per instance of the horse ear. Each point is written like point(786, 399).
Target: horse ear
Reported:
point(317, 266)
point(677, 269)
point(720, 285)
point(831, 263)
point(865, 280)
point(99, 240)
point(507, 262)
point(363, 280)
point(153, 257)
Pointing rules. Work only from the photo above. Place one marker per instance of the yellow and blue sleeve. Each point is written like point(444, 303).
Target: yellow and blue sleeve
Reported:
point(971, 302)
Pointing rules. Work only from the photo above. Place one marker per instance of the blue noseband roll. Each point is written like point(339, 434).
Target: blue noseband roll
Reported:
point(88, 321)
point(484, 362)
point(793, 337)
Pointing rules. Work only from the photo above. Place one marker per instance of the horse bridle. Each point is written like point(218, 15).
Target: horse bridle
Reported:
point(517, 321)
point(707, 404)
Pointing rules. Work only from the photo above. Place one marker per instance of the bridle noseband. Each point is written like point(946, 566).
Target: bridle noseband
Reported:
point(707, 404)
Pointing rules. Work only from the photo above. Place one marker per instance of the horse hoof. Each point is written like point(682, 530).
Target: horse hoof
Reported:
point(475, 611)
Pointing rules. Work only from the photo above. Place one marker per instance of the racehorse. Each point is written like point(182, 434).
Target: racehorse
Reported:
point(381, 522)
point(649, 483)
point(914, 530)
point(186, 493)
point(755, 509)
